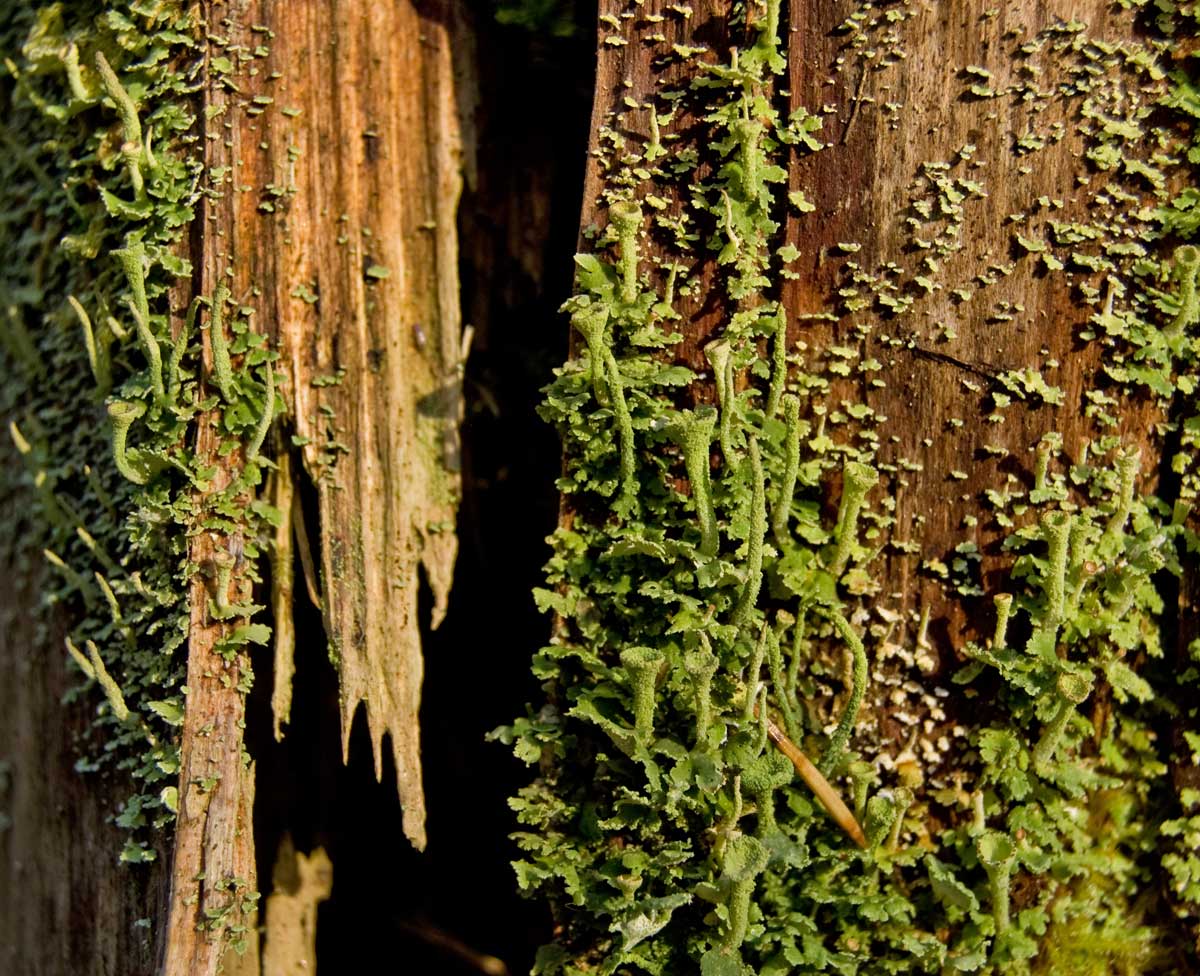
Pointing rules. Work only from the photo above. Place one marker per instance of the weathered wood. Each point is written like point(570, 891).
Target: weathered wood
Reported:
point(335, 219)
point(893, 96)
point(67, 905)
point(300, 882)
point(333, 155)
point(213, 883)
point(864, 186)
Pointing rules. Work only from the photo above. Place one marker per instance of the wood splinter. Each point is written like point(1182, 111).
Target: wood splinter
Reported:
point(825, 793)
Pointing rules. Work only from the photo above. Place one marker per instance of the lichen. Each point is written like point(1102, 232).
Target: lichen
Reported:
point(101, 177)
point(1038, 853)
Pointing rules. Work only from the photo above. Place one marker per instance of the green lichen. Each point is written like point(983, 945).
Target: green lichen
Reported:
point(95, 225)
point(1041, 850)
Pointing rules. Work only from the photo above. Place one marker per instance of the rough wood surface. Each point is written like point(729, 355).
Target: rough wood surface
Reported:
point(336, 219)
point(67, 905)
point(864, 186)
point(300, 882)
point(213, 870)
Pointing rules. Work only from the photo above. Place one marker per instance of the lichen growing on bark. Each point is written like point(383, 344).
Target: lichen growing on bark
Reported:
point(101, 179)
point(1031, 834)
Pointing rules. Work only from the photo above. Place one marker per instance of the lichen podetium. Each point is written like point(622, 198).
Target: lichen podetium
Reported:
point(660, 832)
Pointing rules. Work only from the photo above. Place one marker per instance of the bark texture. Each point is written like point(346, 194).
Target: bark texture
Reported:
point(891, 86)
point(66, 904)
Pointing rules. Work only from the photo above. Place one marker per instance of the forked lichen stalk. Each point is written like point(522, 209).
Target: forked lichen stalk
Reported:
point(694, 432)
point(857, 480)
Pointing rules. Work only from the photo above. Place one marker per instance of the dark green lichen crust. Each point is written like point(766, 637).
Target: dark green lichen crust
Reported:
point(697, 589)
point(101, 337)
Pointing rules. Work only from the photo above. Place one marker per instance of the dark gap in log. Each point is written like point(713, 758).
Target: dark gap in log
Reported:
point(517, 228)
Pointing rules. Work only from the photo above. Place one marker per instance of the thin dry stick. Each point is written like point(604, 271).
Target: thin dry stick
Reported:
point(825, 793)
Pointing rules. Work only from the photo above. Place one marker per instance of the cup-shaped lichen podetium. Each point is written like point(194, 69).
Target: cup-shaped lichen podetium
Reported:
point(1187, 267)
point(701, 664)
point(857, 480)
point(1070, 690)
point(769, 772)
point(122, 414)
point(1003, 603)
point(591, 321)
point(996, 853)
point(626, 217)
point(720, 356)
point(642, 666)
point(1056, 527)
point(744, 860)
point(693, 431)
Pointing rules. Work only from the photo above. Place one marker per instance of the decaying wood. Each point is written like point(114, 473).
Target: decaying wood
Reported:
point(864, 186)
point(67, 905)
point(283, 637)
point(336, 224)
point(213, 874)
point(333, 152)
point(300, 882)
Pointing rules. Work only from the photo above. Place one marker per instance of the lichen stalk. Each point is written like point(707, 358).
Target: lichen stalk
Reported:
point(642, 666)
point(122, 414)
point(719, 354)
point(1128, 464)
point(996, 853)
point(1187, 267)
point(1003, 604)
point(131, 127)
point(857, 480)
point(254, 445)
point(858, 688)
point(748, 858)
point(112, 691)
point(701, 664)
point(626, 216)
point(620, 410)
point(1057, 530)
point(695, 434)
point(97, 353)
point(222, 368)
point(133, 262)
point(1071, 690)
point(791, 470)
point(591, 321)
point(756, 540)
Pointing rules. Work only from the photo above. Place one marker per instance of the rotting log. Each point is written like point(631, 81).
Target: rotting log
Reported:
point(333, 159)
